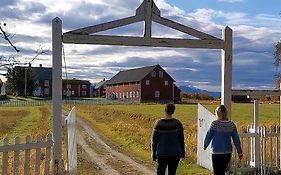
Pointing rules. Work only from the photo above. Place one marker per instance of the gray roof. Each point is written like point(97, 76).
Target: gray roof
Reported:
point(132, 75)
point(43, 73)
point(100, 84)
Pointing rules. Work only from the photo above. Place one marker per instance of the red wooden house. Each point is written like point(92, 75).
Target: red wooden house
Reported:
point(145, 84)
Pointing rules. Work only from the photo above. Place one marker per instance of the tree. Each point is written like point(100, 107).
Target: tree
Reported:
point(16, 78)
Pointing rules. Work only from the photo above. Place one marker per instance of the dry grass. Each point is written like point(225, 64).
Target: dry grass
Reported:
point(23, 121)
point(129, 126)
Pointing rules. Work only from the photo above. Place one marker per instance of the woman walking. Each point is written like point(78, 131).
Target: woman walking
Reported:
point(220, 133)
point(167, 142)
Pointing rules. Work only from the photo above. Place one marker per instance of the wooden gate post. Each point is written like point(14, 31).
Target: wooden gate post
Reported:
point(257, 137)
point(57, 91)
point(226, 70)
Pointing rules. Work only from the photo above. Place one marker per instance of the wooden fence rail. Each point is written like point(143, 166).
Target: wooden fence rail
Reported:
point(40, 147)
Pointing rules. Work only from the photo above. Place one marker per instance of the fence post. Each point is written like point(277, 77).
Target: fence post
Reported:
point(256, 129)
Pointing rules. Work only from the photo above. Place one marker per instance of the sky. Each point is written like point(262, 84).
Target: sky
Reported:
point(256, 28)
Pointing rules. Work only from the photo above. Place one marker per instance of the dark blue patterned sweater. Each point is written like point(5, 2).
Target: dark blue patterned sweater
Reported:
point(168, 139)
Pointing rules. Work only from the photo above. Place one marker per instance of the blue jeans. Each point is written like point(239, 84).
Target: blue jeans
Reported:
point(171, 162)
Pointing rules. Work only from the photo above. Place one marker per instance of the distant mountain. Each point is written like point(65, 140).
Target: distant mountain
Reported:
point(194, 90)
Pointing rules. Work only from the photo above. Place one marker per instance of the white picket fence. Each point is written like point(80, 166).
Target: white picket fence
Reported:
point(24, 164)
point(266, 159)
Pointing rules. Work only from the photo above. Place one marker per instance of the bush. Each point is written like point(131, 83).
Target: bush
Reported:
point(197, 96)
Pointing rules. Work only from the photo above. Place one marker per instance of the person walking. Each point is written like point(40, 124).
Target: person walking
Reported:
point(220, 133)
point(167, 142)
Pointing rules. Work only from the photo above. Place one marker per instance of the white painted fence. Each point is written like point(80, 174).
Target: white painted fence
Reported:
point(260, 146)
point(24, 165)
point(266, 158)
point(71, 142)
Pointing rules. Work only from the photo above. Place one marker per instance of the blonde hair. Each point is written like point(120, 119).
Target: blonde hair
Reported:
point(221, 112)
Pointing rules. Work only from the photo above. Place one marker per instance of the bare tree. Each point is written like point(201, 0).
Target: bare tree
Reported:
point(6, 36)
point(9, 62)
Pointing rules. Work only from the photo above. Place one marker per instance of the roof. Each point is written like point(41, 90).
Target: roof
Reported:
point(75, 81)
point(133, 75)
point(100, 84)
point(43, 73)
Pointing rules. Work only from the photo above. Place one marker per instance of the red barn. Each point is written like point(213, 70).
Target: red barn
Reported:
point(145, 84)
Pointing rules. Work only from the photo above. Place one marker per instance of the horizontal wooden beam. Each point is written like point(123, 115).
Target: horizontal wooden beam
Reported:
point(108, 25)
point(183, 28)
point(256, 93)
point(140, 41)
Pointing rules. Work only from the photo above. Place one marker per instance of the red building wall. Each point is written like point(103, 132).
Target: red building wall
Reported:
point(149, 91)
point(125, 91)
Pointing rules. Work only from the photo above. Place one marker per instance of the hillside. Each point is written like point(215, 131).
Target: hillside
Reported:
point(194, 90)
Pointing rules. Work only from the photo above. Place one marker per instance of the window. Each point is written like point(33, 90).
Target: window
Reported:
point(68, 86)
point(127, 94)
point(37, 82)
point(46, 83)
point(84, 93)
point(116, 95)
point(137, 94)
point(46, 91)
point(68, 93)
point(166, 83)
point(131, 94)
point(161, 74)
point(153, 74)
point(64, 92)
point(123, 95)
point(157, 94)
point(84, 86)
point(147, 82)
point(134, 94)
point(72, 93)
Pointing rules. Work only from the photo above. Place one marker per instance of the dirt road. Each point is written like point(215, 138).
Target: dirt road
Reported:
point(105, 159)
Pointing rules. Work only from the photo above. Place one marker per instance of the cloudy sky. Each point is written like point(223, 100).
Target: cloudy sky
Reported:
point(256, 28)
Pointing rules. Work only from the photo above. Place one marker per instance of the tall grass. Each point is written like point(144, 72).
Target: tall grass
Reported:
point(129, 126)
point(23, 121)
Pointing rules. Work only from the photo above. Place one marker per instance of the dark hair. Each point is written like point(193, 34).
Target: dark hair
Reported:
point(170, 108)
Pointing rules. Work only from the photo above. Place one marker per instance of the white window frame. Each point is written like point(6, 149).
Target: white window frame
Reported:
point(46, 83)
point(147, 82)
point(84, 86)
point(166, 82)
point(157, 94)
point(46, 91)
point(161, 74)
point(137, 94)
point(84, 93)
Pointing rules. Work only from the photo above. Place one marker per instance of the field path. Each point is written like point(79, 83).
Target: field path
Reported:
point(107, 159)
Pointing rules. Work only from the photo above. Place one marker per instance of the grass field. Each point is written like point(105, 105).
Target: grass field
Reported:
point(24, 121)
point(129, 126)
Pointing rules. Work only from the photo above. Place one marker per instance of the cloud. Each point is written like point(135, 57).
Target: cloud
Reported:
point(254, 37)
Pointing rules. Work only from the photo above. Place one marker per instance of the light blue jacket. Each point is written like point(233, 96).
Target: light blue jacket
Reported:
point(220, 133)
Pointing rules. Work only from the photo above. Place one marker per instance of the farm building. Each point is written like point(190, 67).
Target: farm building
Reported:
point(145, 84)
point(99, 90)
point(76, 88)
point(72, 88)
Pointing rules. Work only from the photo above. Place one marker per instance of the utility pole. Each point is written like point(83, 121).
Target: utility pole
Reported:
point(25, 80)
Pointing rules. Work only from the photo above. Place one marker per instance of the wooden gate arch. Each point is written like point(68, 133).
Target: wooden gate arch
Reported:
point(146, 12)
